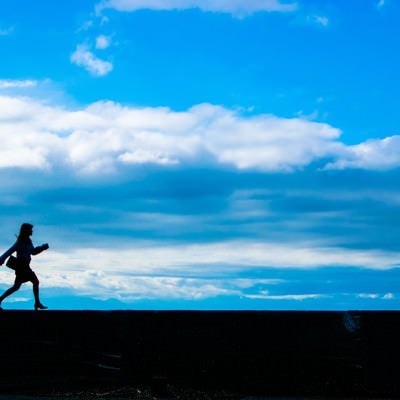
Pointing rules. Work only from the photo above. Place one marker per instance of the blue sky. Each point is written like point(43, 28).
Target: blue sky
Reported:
point(203, 154)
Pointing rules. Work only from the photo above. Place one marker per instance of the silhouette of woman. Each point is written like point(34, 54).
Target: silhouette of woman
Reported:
point(23, 273)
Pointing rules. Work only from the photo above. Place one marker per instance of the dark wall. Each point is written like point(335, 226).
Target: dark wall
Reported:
point(314, 353)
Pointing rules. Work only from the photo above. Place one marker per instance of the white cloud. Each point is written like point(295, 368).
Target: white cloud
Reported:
point(10, 83)
point(388, 296)
point(236, 7)
point(230, 256)
point(290, 297)
point(374, 154)
point(368, 295)
point(318, 20)
point(373, 296)
point(83, 57)
point(153, 270)
point(381, 3)
point(128, 287)
point(266, 142)
point(86, 26)
point(103, 42)
point(106, 136)
point(6, 32)
point(144, 156)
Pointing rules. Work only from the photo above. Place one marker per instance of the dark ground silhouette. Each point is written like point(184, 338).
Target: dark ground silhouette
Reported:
point(200, 354)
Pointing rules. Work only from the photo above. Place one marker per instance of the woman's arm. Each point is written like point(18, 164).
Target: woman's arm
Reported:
point(8, 253)
point(39, 249)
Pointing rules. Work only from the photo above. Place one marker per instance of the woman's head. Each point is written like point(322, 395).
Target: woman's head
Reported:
point(25, 231)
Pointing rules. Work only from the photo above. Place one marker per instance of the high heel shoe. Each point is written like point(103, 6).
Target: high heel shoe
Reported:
point(40, 306)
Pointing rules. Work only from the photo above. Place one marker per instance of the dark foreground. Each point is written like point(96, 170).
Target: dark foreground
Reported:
point(199, 355)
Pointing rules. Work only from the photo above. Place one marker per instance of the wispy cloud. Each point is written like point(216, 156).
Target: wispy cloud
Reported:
point(199, 260)
point(287, 297)
point(381, 3)
point(383, 296)
point(6, 31)
point(86, 26)
point(85, 58)
point(236, 7)
point(103, 42)
point(197, 271)
point(10, 83)
point(319, 20)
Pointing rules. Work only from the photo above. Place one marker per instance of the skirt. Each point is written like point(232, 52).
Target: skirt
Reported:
point(25, 274)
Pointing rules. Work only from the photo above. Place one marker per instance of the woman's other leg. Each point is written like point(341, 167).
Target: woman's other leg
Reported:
point(35, 283)
point(11, 290)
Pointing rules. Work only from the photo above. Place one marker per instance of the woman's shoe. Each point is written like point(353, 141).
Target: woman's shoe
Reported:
point(40, 306)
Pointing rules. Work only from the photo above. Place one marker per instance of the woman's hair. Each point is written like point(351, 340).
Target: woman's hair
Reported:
point(24, 233)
